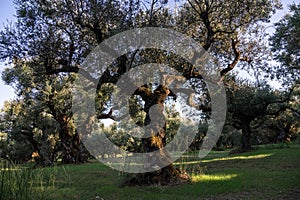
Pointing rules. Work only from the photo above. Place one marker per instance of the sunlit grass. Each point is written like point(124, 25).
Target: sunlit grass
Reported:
point(197, 161)
point(212, 177)
point(238, 158)
point(259, 174)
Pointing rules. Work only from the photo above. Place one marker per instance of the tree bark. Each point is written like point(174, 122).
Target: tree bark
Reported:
point(73, 151)
point(246, 135)
point(155, 140)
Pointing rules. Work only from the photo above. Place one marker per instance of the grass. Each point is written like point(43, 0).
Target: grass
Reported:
point(24, 183)
point(266, 173)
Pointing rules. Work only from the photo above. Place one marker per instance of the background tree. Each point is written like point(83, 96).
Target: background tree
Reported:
point(48, 43)
point(251, 107)
point(285, 45)
point(17, 147)
point(247, 104)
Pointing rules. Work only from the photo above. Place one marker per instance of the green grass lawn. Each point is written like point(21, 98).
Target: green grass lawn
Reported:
point(266, 173)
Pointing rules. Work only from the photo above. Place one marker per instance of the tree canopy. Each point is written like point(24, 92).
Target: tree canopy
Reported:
point(285, 44)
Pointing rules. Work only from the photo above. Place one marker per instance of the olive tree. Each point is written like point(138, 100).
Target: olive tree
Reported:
point(52, 39)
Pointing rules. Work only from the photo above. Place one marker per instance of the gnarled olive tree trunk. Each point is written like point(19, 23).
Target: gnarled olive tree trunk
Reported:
point(73, 150)
point(159, 165)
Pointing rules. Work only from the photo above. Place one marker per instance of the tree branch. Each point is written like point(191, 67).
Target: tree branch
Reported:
point(237, 56)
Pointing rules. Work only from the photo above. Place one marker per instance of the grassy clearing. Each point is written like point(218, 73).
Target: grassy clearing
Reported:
point(266, 173)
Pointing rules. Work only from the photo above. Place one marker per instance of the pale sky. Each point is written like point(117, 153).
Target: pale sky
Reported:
point(7, 12)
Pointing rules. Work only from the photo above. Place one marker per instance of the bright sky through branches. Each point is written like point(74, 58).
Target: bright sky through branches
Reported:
point(7, 12)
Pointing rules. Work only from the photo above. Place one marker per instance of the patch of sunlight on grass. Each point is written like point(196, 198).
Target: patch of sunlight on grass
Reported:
point(10, 169)
point(219, 177)
point(188, 162)
point(224, 159)
point(239, 158)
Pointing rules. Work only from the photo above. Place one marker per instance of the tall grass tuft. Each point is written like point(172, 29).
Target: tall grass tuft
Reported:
point(20, 183)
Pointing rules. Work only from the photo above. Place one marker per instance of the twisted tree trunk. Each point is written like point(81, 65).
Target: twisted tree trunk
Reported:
point(159, 165)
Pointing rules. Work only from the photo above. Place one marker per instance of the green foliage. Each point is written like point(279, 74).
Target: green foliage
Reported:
point(264, 115)
point(230, 30)
point(249, 102)
point(286, 45)
point(257, 111)
point(31, 129)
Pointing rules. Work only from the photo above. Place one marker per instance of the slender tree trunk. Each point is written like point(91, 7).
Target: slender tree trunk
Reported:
point(246, 135)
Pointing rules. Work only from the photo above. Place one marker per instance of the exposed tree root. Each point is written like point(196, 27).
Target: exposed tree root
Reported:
point(166, 176)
